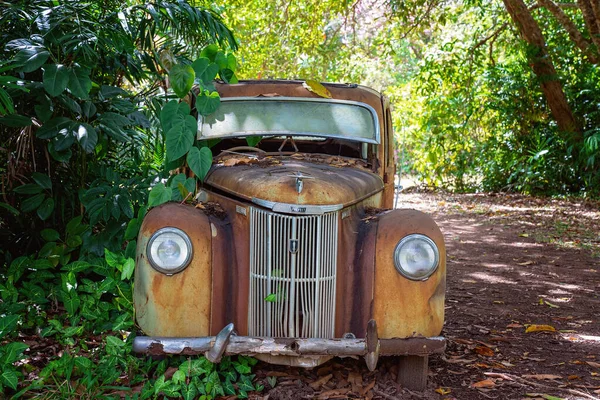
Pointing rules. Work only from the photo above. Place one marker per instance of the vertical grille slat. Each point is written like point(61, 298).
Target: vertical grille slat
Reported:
point(293, 260)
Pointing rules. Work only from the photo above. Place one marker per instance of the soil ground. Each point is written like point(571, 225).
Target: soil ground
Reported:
point(515, 265)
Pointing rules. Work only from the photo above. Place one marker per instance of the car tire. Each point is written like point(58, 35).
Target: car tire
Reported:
point(412, 372)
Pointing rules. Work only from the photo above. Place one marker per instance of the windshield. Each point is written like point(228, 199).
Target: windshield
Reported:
point(291, 116)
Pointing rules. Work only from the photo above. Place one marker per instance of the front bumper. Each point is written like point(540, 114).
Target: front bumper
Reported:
point(227, 343)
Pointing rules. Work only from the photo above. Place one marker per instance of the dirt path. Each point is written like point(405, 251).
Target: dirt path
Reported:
point(513, 262)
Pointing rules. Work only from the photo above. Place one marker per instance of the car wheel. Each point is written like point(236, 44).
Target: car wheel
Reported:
point(412, 372)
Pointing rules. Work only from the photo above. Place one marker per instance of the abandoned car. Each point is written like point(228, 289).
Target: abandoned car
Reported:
point(295, 255)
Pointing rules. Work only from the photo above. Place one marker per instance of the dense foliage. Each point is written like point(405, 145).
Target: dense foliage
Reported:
point(90, 120)
point(470, 111)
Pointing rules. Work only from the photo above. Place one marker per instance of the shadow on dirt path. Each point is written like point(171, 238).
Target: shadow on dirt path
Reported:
point(522, 308)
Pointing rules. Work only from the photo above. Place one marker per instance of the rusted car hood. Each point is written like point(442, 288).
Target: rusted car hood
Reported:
point(275, 181)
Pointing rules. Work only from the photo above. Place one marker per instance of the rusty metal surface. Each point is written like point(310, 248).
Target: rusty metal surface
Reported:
point(177, 305)
point(231, 266)
point(287, 347)
point(328, 184)
point(406, 308)
point(355, 273)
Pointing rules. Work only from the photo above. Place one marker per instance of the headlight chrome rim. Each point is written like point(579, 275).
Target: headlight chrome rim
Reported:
point(403, 242)
point(183, 236)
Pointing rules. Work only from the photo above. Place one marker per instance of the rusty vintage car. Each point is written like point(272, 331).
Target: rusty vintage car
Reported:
point(296, 255)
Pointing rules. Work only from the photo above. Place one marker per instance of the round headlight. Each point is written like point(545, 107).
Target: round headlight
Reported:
point(169, 250)
point(416, 257)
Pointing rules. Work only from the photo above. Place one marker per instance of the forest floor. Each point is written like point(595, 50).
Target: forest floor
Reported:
point(522, 308)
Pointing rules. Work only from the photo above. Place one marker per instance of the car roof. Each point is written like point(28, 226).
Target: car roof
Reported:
point(294, 88)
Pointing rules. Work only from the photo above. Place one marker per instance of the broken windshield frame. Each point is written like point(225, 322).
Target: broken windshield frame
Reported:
point(291, 116)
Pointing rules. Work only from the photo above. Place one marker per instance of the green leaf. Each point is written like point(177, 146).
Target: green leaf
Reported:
point(113, 259)
point(50, 235)
point(9, 378)
point(74, 225)
point(29, 188)
point(71, 302)
point(89, 109)
point(15, 121)
point(271, 298)
point(181, 78)
point(114, 119)
point(178, 377)
point(12, 352)
point(45, 210)
point(173, 113)
point(253, 140)
point(180, 137)
point(210, 52)
point(31, 58)
point(80, 83)
point(125, 205)
point(43, 180)
point(7, 324)
point(53, 127)
point(221, 60)
point(56, 79)
point(228, 76)
point(9, 208)
point(32, 203)
point(200, 161)
point(60, 156)
point(128, 268)
point(159, 195)
point(189, 392)
point(206, 72)
point(133, 228)
point(74, 241)
point(196, 367)
point(207, 102)
point(86, 136)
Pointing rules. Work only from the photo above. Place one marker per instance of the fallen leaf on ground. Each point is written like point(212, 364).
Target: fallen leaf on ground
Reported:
point(526, 262)
point(514, 326)
point(320, 382)
point(367, 388)
point(443, 391)
point(573, 377)
point(542, 377)
point(486, 383)
point(524, 234)
point(484, 351)
point(593, 364)
point(540, 328)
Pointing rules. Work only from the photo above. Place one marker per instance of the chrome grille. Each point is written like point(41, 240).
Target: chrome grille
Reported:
point(292, 274)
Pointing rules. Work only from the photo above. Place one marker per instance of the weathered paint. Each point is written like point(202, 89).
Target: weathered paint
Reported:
point(325, 184)
point(176, 305)
point(402, 307)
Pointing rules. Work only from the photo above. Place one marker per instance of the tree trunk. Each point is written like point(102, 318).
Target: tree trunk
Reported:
point(592, 21)
point(543, 67)
point(571, 28)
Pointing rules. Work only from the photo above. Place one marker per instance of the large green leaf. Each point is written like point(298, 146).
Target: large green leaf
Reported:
point(42, 179)
point(7, 324)
point(71, 302)
point(182, 79)
point(56, 79)
point(9, 378)
point(180, 137)
point(200, 161)
point(51, 128)
point(159, 195)
point(172, 113)
point(45, 210)
point(12, 352)
point(86, 136)
point(15, 121)
point(206, 71)
point(80, 83)
point(207, 102)
point(31, 203)
point(31, 58)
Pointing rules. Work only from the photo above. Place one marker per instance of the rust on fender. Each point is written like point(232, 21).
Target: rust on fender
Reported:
point(179, 304)
point(403, 307)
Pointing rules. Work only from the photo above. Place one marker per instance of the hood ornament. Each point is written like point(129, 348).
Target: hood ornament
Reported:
point(300, 180)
